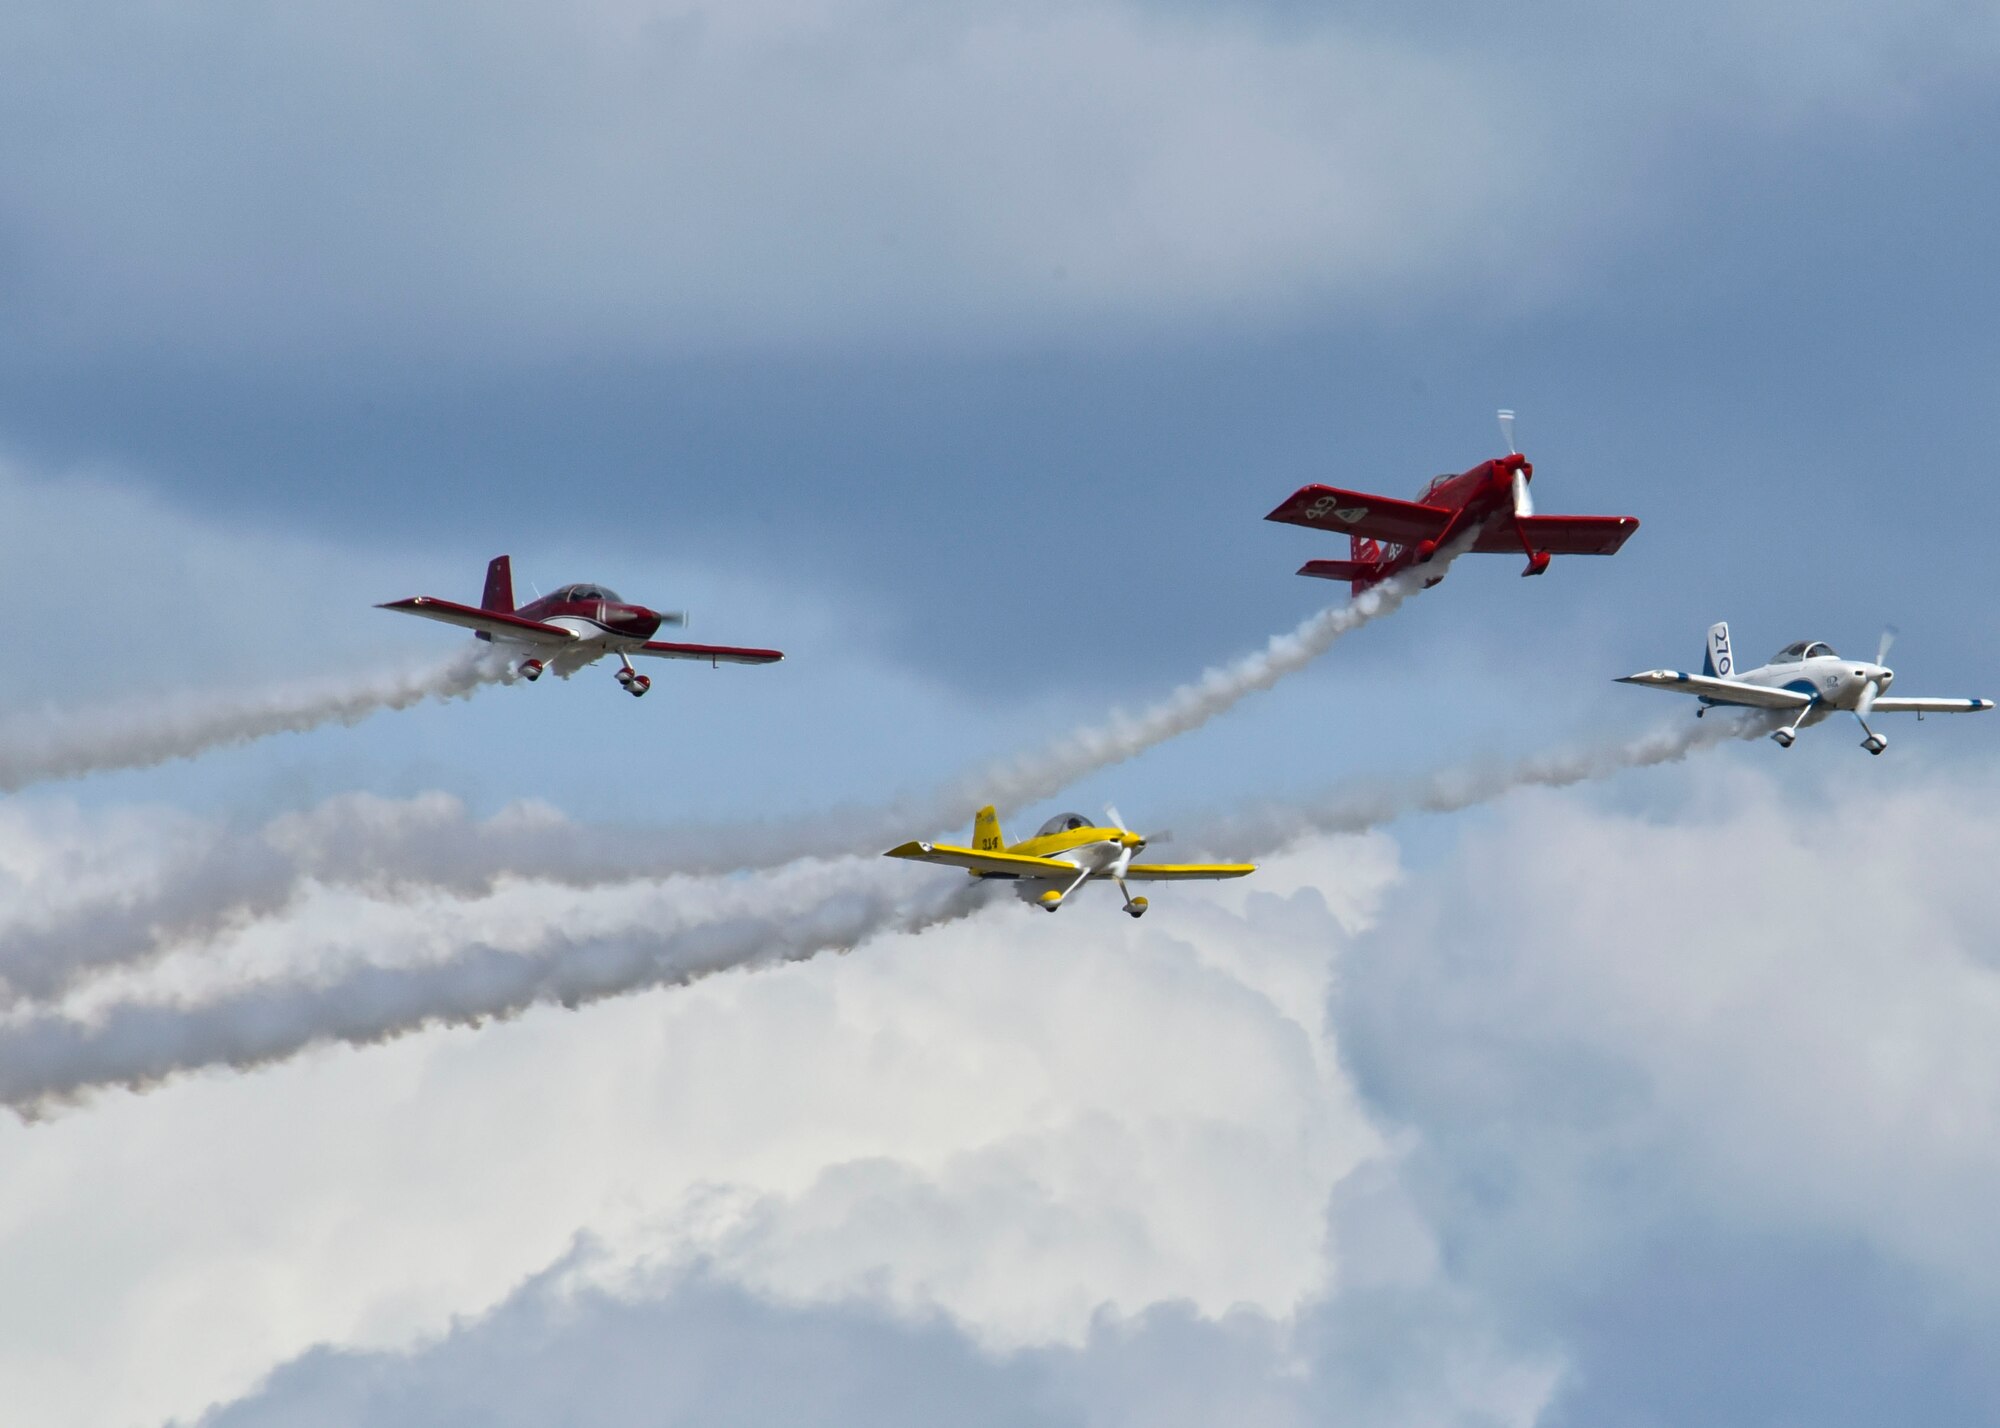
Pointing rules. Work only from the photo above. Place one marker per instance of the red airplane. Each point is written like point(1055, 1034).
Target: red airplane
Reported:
point(572, 627)
point(1489, 502)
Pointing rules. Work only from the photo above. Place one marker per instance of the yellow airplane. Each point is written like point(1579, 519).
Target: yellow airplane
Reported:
point(1067, 852)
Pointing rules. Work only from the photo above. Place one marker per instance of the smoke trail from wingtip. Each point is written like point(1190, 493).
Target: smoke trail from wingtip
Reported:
point(699, 929)
point(59, 744)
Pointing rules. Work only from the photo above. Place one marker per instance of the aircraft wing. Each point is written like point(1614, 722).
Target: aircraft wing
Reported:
point(1329, 508)
point(488, 622)
point(714, 654)
point(1558, 535)
point(1723, 691)
point(1169, 872)
point(1894, 704)
point(1002, 865)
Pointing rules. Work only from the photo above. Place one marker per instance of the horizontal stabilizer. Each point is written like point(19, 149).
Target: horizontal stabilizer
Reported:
point(1344, 569)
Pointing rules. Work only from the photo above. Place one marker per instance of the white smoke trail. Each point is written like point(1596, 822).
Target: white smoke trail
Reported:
point(433, 844)
point(702, 925)
point(698, 928)
point(1045, 772)
point(1359, 805)
point(210, 881)
point(59, 744)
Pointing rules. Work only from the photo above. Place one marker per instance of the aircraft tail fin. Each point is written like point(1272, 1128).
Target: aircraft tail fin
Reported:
point(499, 596)
point(1364, 550)
point(986, 831)
point(1718, 661)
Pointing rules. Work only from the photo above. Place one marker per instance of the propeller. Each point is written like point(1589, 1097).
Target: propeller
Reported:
point(1117, 820)
point(1872, 690)
point(1524, 501)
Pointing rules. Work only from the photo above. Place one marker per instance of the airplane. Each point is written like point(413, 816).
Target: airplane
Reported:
point(1805, 679)
point(1068, 851)
point(1490, 503)
point(572, 627)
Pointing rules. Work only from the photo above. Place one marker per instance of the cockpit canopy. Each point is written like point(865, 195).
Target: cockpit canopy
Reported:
point(1804, 649)
point(1065, 823)
point(587, 593)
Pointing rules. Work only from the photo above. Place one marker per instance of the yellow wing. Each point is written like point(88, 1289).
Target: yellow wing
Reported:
point(1166, 872)
point(1004, 865)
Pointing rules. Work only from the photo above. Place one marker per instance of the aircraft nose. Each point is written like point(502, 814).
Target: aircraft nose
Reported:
point(635, 620)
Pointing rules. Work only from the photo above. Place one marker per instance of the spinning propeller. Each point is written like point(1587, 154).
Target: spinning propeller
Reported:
point(1874, 687)
point(1524, 501)
point(1117, 821)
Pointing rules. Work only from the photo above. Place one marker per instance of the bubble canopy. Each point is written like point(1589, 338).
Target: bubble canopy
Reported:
point(1065, 823)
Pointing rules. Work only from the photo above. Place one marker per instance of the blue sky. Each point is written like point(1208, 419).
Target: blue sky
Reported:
point(959, 352)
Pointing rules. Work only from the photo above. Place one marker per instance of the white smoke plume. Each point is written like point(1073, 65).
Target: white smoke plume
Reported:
point(59, 744)
point(1045, 772)
point(208, 881)
point(1356, 806)
point(695, 927)
point(225, 882)
point(698, 927)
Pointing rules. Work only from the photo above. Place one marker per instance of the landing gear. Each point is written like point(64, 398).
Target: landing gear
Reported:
point(1134, 906)
point(1874, 743)
point(1538, 561)
point(1785, 735)
point(530, 670)
point(633, 682)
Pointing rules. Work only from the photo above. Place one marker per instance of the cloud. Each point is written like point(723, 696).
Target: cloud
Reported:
point(1144, 1112)
point(638, 176)
point(1741, 1057)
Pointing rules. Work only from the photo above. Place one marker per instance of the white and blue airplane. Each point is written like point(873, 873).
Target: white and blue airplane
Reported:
point(1806, 680)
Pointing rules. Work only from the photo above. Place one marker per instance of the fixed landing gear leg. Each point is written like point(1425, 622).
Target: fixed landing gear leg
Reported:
point(634, 683)
point(1790, 732)
point(1134, 906)
point(1874, 743)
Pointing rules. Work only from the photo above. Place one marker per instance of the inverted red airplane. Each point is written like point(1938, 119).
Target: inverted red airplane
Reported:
point(1489, 502)
point(572, 627)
